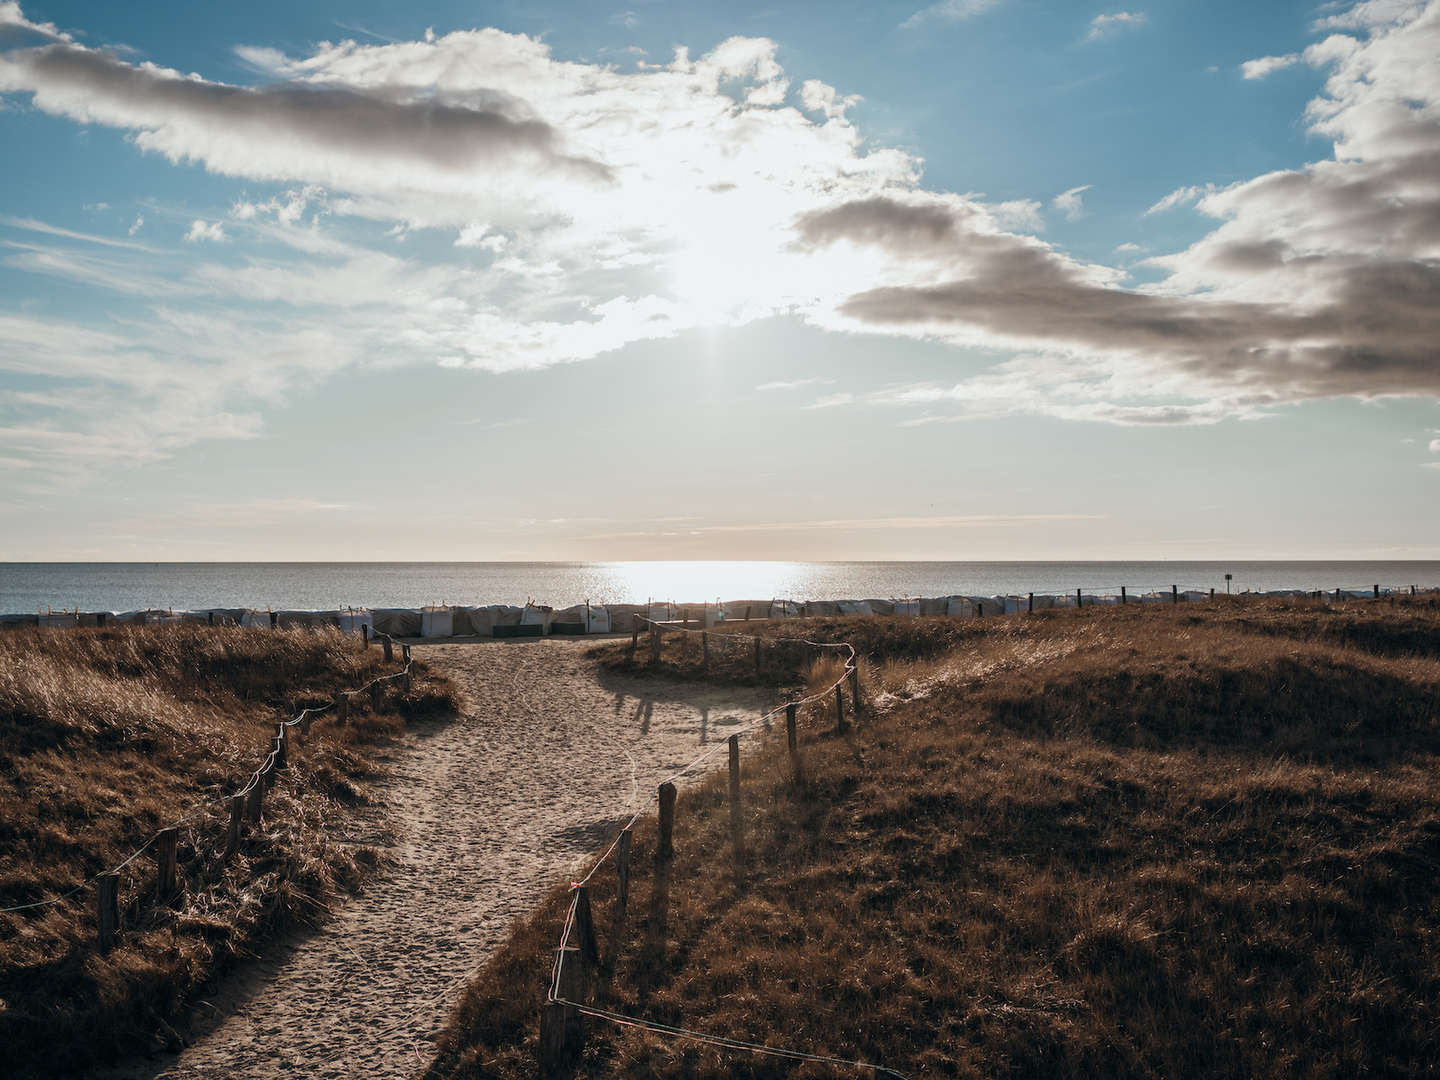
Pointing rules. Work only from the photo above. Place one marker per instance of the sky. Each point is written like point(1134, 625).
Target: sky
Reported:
point(984, 279)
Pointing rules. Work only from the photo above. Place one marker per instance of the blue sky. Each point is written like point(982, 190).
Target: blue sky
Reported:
point(983, 279)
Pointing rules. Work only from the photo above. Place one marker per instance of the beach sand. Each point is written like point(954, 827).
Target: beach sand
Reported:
point(488, 811)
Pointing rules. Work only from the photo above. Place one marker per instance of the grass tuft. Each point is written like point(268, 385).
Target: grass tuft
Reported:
point(108, 735)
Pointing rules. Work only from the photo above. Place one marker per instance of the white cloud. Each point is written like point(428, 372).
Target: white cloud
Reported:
point(1263, 66)
point(1182, 196)
point(949, 11)
point(135, 227)
point(205, 230)
point(1070, 203)
point(1105, 25)
point(1128, 248)
point(1435, 446)
point(1017, 214)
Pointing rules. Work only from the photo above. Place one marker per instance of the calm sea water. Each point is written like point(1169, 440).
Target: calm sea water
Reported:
point(132, 586)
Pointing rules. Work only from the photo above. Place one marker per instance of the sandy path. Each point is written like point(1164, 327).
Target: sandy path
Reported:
point(490, 810)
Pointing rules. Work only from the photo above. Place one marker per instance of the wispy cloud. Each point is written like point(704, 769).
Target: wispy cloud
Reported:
point(949, 11)
point(1104, 25)
point(1264, 65)
point(205, 230)
point(794, 384)
point(1181, 196)
point(1070, 203)
point(32, 225)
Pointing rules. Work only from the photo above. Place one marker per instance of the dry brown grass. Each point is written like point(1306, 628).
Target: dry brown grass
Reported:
point(108, 735)
point(1200, 841)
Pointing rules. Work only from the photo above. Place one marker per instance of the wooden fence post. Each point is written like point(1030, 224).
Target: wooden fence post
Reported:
point(839, 710)
point(665, 849)
point(107, 891)
point(274, 620)
point(562, 1027)
point(585, 928)
point(654, 644)
point(255, 804)
point(1122, 594)
point(1079, 599)
point(747, 612)
point(1030, 608)
point(166, 841)
point(389, 649)
point(210, 618)
point(737, 834)
point(1377, 592)
point(237, 814)
point(705, 649)
point(365, 635)
point(407, 681)
point(282, 746)
point(1212, 592)
point(1174, 594)
point(405, 653)
point(622, 873)
point(757, 654)
point(634, 636)
point(791, 736)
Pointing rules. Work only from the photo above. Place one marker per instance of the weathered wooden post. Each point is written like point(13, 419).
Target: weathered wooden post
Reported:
point(282, 746)
point(1377, 592)
point(210, 618)
point(274, 620)
point(389, 648)
point(791, 735)
point(839, 710)
point(622, 873)
point(107, 891)
point(1174, 594)
point(166, 841)
point(654, 643)
point(1122, 594)
point(1212, 592)
point(1030, 605)
point(757, 654)
point(365, 635)
point(634, 635)
point(585, 928)
point(980, 610)
point(562, 1026)
point(255, 804)
point(747, 612)
point(237, 814)
point(375, 695)
point(100, 617)
point(1079, 599)
point(407, 682)
point(665, 849)
point(737, 835)
point(705, 649)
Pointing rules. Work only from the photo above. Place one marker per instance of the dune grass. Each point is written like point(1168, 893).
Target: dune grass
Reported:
point(1146, 841)
point(108, 735)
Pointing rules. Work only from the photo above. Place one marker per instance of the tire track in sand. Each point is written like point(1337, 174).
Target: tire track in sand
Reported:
point(490, 810)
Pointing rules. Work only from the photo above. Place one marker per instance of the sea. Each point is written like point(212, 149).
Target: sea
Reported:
point(33, 586)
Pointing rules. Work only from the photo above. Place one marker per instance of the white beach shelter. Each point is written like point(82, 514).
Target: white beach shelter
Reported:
point(436, 622)
point(597, 619)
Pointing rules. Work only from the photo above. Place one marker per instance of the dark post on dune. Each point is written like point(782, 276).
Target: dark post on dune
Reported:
point(665, 848)
point(790, 733)
point(839, 709)
point(562, 1026)
point(166, 841)
point(237, 814)
point(737, 835)
point(107, 891)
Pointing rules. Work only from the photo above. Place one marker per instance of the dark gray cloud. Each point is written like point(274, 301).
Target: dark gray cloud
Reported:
point(286, 130)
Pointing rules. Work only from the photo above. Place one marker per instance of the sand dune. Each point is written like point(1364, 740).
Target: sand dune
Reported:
point(487, 812)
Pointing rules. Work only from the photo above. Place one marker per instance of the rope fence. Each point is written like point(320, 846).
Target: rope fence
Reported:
point(245, 804)
point(561, 1023)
